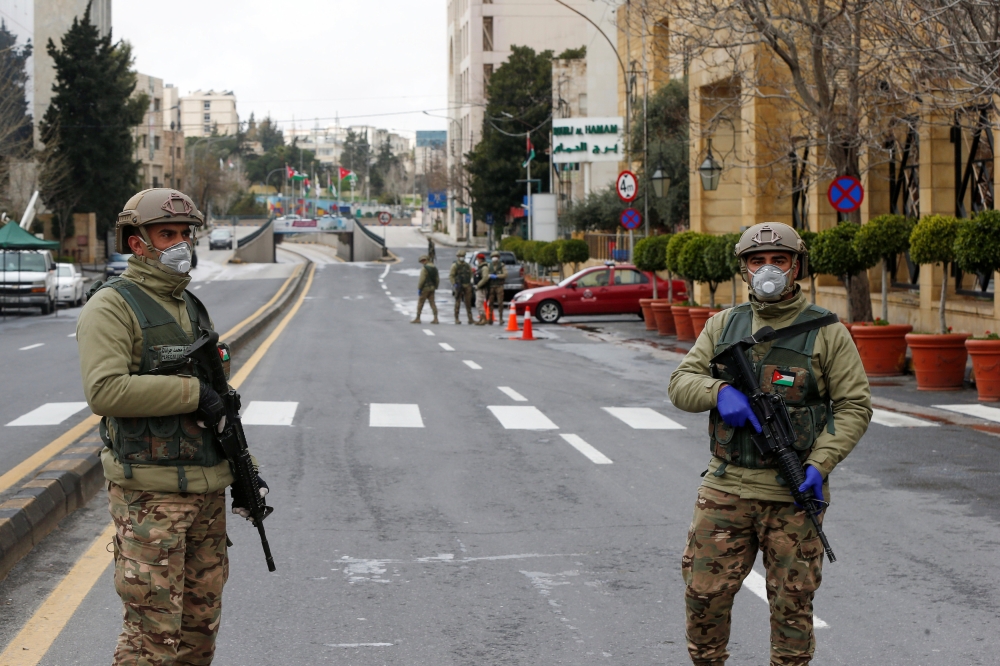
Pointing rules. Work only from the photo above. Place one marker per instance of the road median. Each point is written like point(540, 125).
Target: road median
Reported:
point(71, 474)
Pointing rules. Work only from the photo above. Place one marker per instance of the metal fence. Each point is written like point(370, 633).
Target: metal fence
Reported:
point(611, 247)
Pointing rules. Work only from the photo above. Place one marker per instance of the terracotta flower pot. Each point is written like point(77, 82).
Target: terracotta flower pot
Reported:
point(682, 321)
point(664, 317)
point(646, 304)
point(698, 318)
point(986, 366)
point(938, 360)
point(882, 348)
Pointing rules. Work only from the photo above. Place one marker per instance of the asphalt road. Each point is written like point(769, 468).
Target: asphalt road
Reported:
point(462, 541)
point(41, 364)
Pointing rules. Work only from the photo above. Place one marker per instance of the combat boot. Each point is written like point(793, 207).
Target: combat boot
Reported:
point(481, 321)
point(435, 320)
point(416, 321)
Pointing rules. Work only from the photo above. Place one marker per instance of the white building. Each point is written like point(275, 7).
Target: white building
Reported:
point(480, 35)
point(157, 146)
point(205, 111)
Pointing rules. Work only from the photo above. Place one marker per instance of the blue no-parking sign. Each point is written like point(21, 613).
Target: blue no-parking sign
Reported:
point(489, 219)
point(631, 219)
point(846, 194)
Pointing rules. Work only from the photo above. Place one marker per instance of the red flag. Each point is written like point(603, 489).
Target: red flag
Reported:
point(291, 171)
point(344, 173)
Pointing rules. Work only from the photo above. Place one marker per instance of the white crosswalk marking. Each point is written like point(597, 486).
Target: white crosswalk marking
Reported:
point(391, 415)
point(51, 413)
point(263, 412)
point(512, 394)
point(429, 332)
point(445, 346)
point(34, 346)
point(897, 420)
point(979, 411)
point(586, 449)
point(473, 365)
point(643, 418)
point(756, 584)
point(71, 335)
point(522, 418)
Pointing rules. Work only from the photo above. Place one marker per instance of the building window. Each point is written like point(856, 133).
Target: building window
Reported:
point(143, 140)
point(178, 149)
point(487, 33)
point(206, 105)
point(583, 104)
point(208, 117)
point(156, 143)
point(208, 129)
point(156, 104)
point(156, 181)
point(487, 73)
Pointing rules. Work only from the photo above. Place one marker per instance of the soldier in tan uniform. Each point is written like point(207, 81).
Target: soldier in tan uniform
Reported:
point(492, 280)
point(742, 505)
point(165, 471)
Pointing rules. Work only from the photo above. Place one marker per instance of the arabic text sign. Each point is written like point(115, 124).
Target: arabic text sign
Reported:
point(587, 140)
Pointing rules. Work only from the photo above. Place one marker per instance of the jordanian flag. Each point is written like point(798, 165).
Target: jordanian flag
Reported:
point(530, 148)
point(346, 173)
point(779, 379)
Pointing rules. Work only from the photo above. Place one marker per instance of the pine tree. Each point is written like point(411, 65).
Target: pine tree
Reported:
point(88, 125)
point(15, 121)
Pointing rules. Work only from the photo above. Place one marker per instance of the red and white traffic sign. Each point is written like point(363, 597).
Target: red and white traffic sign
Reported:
point(628, 186)
point(384, 218)
point(846, 194)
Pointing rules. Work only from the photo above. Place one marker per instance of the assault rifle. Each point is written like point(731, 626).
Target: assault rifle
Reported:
point(777, 434)
point(205, 352)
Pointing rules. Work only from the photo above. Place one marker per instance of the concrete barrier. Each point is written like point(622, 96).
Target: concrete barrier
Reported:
point(257, 248)
point(367, 245)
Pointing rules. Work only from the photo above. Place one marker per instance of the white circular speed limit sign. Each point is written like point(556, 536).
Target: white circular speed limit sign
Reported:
point(628, 186)
point(384, 218)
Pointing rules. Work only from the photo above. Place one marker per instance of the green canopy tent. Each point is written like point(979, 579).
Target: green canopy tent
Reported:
point(13, 237)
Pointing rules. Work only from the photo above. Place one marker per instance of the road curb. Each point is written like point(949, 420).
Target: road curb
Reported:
point(72, 478)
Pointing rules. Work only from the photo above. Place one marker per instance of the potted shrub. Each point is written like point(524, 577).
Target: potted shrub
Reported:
point(729, 242)
point(977, 250)
point(547, 256)
point(882, 346)
point(673, 251)
point(938, 359)
point(809, 237)
point(704, 259)
point(646, 258)
point(833, 253)
point(572, 251)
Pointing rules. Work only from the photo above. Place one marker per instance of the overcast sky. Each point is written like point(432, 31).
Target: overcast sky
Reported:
point(302, 59)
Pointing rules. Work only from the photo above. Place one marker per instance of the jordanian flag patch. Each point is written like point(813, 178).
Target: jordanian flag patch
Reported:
point(779, 379)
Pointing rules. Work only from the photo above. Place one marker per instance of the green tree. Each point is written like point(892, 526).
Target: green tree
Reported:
point(833, 253)
point(734, 263)
point(702, 259)
point(809, 238)
point(598, 212)
point(882, 239)
point(667, 149)
point(269, 134)
point(547, 256)
point(719, 263)
point(650, 254)
point(573, 251)
point(357, 155)
point(513, 244)
point(88, 125)
point(246, 204)
point(519, 100)
point(933, 242)
point(674, 247)
point(529, 250)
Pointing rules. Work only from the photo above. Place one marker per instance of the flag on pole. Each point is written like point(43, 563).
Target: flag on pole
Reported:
point(346, 173)
point(530, 149)
point(290, 170)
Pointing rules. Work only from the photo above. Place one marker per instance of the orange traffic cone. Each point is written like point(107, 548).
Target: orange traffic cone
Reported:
point(489, 313)
point(526, 333)
point(512, 320)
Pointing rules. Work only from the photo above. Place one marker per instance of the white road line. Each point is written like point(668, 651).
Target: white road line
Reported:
point(383, 286)
point(756, 584)
point(512, 394)
point(429, 332)
point(473, 365)
point(388, 293)
point(71, 335)
point(643, 418)
point(358, 645)
point(586, 449)
point(979, 411)
point(264, 412)
point(389, 415)
point(445, 346)
point(896, 420)
point(51, 413)
point(385, 272)
point(522, 418)
point(34, 346)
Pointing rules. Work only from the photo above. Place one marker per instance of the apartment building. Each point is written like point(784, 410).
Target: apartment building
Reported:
point(205, 111)
point(157, 146)
point(480, 35)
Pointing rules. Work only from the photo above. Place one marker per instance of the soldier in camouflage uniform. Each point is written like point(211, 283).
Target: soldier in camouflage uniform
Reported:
point(492, 279)
point(426, 286)
point(461, 280)
point(482, 269)
point(166, 475)
point(743, 505)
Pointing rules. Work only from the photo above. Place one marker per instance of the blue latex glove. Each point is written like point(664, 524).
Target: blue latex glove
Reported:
point(419, 291)
point(493, 276)
point(734, 408)
point(814, 482)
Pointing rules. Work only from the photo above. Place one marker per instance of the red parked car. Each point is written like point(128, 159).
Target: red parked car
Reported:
point(599, 290)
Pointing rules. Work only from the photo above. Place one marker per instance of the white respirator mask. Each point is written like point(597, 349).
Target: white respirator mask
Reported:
point(769, 282)
point(177, 257)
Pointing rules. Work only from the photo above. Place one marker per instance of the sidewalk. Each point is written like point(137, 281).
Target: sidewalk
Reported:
point(446, 240)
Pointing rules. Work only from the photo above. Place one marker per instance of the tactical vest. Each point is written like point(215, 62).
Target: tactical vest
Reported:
point(785, 369)
point(174, 440)
point(463, 273)
point(495, 270)
point(432, 276)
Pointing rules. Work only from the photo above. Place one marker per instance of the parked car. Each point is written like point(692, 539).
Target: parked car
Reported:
point(28, 278)
point(69, 284)
point(220, 239)
point(598, 290)
point(117, 263)
point(515, 271)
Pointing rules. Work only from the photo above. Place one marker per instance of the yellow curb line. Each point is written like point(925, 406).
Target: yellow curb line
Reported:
point(42, 456)
point(236, 329)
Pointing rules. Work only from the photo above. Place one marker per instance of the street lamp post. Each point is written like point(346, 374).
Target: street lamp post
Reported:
point(710, 171)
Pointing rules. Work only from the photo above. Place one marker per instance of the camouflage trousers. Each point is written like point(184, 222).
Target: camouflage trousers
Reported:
point(427, 296)
point(463, 294)
point(481, 302)
point(723, 541)
point(170, 566)
point(495, 298)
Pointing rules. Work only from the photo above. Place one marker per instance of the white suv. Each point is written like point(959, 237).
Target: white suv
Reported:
point(28, 278)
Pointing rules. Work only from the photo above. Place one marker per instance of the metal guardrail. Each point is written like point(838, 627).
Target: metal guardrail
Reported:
point(250, 237)
point(371, 234)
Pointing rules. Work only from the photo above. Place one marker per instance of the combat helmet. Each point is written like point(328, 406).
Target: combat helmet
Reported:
point(460, 254)
point(776, 237)
point(158, 205)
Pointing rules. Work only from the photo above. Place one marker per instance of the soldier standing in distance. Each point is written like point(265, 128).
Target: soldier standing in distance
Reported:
point(426, 286)
point(166, 475)
point(461, 280)
point(482, 271)
point(492, 279)
point(742, 504)
point(431, 251)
